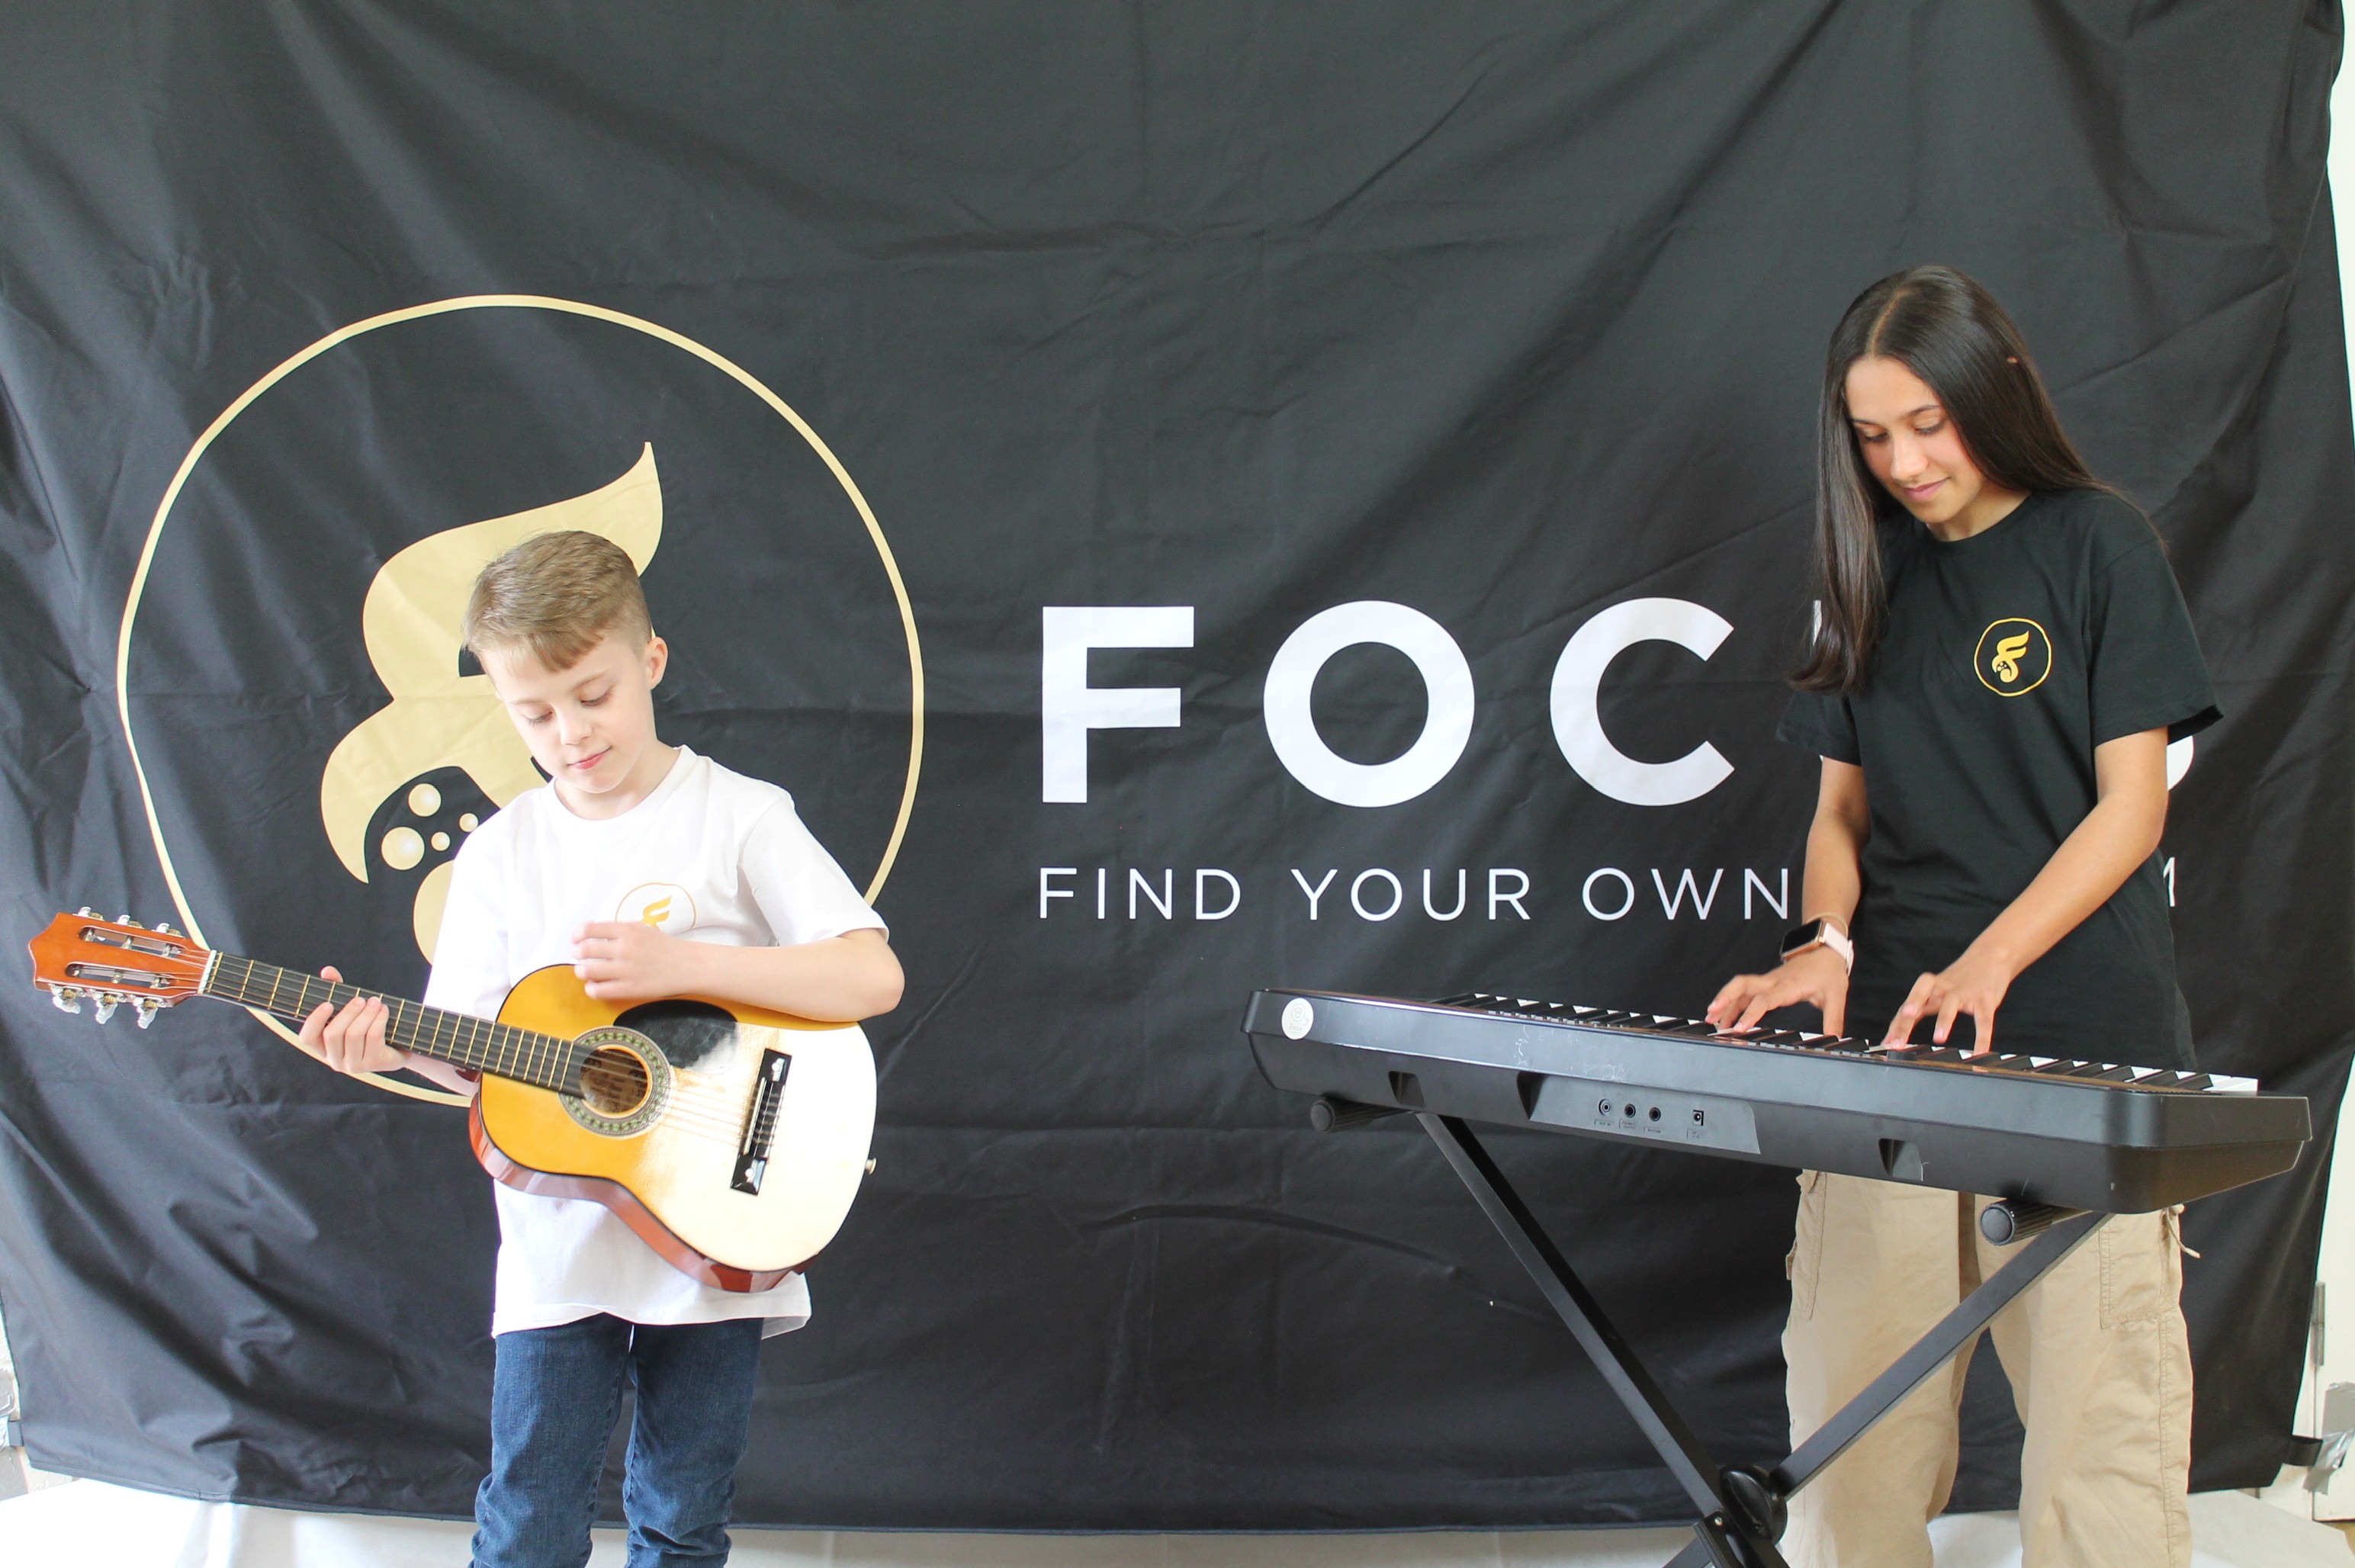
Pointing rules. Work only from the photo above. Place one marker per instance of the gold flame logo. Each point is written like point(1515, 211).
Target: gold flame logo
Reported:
point(2005, 662)
point(501, 758)
point(439, 718)
point(2016, 653)
point(666, 906)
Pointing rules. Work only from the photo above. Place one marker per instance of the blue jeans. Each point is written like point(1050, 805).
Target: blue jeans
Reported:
point(555, 1394)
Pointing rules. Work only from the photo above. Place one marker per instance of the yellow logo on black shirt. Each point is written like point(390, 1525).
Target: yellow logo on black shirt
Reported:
point(2014, 657)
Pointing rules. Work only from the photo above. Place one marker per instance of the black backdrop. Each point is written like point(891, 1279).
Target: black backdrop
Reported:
point(1510, 314)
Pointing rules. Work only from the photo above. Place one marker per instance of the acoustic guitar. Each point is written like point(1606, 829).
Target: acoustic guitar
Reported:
point(730, 1139)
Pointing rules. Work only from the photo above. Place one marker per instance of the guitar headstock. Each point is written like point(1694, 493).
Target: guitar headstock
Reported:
point(115, 961)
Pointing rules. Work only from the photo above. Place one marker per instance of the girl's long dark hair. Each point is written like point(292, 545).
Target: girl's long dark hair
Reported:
point(1950, 332)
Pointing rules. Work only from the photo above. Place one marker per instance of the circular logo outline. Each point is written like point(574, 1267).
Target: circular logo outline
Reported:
point(1979, 663)
point(343, 335)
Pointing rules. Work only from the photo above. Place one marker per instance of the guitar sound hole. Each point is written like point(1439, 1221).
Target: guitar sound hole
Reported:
point(614, 1080)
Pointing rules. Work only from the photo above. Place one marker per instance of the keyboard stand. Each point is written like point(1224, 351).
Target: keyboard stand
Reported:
point(1740, 1511)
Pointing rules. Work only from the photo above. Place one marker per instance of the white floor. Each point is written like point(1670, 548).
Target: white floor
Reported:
point(89, 1522)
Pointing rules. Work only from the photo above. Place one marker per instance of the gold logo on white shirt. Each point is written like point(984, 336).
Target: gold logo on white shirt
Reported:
point(666, 906)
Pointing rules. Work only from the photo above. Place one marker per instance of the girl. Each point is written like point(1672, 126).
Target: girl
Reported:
point(2001, 659)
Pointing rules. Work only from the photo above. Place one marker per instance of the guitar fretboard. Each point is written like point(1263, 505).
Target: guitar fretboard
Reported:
point(501, 1049)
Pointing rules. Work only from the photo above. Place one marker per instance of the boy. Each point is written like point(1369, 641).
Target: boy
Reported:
point(629, 840)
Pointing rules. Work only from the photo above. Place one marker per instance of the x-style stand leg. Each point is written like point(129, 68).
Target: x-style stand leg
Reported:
point(1741, 1511)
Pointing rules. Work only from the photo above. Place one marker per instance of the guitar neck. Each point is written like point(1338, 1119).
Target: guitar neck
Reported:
point(501, 1049)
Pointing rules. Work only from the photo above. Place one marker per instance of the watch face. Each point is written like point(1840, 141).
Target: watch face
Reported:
point(1801, 936)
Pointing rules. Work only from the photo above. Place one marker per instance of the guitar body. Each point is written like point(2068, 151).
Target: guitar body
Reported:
point(682, 1092)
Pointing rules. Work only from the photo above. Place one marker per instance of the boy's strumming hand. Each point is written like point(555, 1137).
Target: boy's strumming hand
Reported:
point(629, 961)
point(351, 1039)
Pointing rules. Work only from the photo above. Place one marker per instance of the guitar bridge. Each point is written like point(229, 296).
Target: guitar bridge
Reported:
point(760, 1125)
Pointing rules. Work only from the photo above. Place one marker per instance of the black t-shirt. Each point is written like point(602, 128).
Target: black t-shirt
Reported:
point(2009, 656)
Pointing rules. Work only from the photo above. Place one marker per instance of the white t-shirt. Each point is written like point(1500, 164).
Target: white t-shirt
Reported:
point(711, 856)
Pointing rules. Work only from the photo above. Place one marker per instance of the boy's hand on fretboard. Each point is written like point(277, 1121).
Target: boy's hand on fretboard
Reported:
point(350, 1039)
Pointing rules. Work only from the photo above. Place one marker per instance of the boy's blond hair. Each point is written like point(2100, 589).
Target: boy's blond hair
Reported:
point(555, 595)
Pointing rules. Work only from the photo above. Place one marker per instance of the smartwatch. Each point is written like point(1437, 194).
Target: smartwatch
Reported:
point(1820, 932)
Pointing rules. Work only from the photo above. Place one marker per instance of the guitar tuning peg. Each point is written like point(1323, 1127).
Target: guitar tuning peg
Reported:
point(126, 920)
point(67, 998)
point(103, 1010)
point(164, 930)
point(147, 1006)
point(86, 913)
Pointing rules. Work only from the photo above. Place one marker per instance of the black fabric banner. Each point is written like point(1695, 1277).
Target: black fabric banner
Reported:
point(1157, 352)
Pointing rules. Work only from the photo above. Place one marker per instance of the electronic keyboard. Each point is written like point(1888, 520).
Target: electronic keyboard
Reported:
point(2095, 1135)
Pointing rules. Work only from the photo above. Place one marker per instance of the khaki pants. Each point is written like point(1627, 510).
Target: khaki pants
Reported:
point(2100, 1370)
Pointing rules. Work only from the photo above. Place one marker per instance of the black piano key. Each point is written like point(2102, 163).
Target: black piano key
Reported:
point(2195, 1081)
